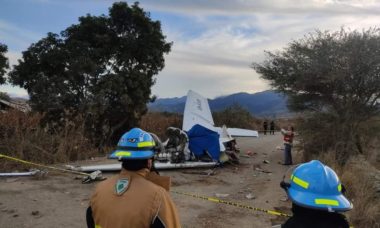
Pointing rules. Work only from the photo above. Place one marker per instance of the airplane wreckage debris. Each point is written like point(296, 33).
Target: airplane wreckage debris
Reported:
point(87, 178)
point(198, 145)
point(32, 172)
point(157, 165)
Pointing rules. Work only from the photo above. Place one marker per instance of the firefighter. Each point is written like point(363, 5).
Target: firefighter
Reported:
point(136, 197)
point(317, 197)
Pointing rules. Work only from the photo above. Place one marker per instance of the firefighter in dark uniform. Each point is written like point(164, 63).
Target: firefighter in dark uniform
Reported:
point(317, 197)
point(136, 197)
point(265, 126)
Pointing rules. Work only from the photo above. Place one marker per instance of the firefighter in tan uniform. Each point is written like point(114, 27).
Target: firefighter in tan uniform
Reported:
point(136, 197)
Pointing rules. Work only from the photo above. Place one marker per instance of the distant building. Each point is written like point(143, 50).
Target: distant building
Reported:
point(20, 105)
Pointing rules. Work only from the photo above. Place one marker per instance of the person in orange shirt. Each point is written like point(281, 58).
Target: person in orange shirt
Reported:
point(136, 197)
point(288, 144)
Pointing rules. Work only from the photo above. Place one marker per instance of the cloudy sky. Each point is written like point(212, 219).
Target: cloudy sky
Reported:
point(215, 41)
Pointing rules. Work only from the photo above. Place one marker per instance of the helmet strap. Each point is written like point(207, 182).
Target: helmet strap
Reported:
point(285, 185)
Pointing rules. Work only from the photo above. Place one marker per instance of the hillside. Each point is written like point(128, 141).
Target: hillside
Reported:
point(266, 103)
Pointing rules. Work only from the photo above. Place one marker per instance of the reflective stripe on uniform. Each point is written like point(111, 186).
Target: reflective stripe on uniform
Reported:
point(300, 182)
point(98, 226)
point(329, 202)
point(123, 154)
point(145, 144)
point(340, 187)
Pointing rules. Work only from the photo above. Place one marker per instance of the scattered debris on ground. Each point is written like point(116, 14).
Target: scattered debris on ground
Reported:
point(58, 197)
point(262, 170)
point(221, 195)
point(250, 196)
point(208, 172)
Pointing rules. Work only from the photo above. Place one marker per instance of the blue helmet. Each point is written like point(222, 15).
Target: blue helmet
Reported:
point(315, 185)
point(135, 144)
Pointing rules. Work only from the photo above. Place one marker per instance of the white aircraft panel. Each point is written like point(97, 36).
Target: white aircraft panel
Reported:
point(197, 111)
point(158, 166)
point(238, 132)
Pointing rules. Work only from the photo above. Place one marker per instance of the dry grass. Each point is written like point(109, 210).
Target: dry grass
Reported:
point(22, 136)
point(360, 174)
point(359, 178)
point(370, 132)
point(362, 181)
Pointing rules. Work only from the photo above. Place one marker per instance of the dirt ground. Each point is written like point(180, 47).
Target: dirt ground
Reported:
point(60, 200)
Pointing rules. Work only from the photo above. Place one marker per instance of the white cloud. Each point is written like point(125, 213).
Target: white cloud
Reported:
point(229, 35)
point(217, 61)
point(13, 57)
point(13, 91)
point(239, 7)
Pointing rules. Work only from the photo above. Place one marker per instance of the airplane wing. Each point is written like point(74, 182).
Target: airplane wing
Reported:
point(157, 165)
point(224, 136)
point(238, 132)
point(228, 133)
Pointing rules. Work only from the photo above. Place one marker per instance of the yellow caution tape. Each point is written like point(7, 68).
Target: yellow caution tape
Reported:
point(216, 200)
point(44, 166)
point(211, 199)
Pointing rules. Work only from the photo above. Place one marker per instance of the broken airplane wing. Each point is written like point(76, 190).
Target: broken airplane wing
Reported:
point(238, 132)
point(20, 174)
point(157, 165)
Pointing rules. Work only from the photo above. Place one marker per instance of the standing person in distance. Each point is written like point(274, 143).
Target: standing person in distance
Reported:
point(265, 126)
point(288, 144)
point(271, 127)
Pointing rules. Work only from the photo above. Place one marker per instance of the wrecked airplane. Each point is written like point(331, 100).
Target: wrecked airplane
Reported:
point(200, 144)
point(198, 118)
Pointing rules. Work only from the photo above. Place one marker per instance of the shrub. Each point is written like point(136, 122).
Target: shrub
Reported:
point(236, 116)
point(22, 136)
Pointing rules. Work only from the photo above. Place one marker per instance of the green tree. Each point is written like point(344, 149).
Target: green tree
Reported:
point(4, 96)
point(334, 73)
point(102, 67)
point(3, 62)
point(234, 116)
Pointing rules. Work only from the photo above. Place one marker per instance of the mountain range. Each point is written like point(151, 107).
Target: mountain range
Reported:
point(264, 104)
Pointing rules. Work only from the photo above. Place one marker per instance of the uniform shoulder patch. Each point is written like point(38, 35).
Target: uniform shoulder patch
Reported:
point(121, 186)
